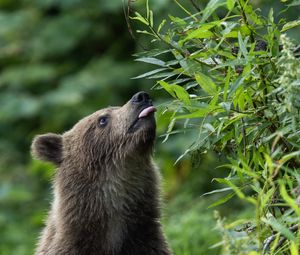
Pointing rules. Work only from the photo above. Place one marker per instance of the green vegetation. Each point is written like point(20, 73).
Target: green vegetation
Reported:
point(234, 78)
point(226, 83)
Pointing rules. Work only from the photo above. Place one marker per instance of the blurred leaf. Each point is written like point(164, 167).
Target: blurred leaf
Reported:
point(150, 73)
point(61, 35)
point(280, 228)
point(27, 74)
point(294, 3)
point(210, 8)
point(206, 83)
point(216, 191)
point(290, 25)
point(153, 61)
point(230, 4)
point(140, 18)
point(16, 106)
point(222, 200)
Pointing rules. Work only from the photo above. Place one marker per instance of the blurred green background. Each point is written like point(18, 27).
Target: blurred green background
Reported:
point(62, 60)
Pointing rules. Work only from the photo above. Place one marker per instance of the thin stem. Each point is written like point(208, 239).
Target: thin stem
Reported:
point(185, 10)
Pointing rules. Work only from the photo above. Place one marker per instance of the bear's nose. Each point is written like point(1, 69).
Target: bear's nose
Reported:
point(141, 97)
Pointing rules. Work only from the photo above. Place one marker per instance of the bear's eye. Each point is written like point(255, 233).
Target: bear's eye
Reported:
point(103, 121)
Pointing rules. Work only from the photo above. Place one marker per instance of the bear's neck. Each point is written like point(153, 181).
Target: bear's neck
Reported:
point(108, 203)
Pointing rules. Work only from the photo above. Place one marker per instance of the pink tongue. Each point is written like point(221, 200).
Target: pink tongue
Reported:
point(146, 111)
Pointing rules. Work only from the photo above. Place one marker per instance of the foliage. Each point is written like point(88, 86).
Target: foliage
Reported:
point(61, 60)
point(234, 77)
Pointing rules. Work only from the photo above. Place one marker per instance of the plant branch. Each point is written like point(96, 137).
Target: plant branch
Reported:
point(271, 238)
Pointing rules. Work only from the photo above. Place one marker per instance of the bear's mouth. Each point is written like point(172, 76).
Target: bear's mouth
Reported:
point(147, 111)
point(144, 114)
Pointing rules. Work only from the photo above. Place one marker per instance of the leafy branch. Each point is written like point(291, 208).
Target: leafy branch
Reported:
point(234, 79)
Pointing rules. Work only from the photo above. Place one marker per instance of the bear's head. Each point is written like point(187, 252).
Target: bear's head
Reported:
point(108, 135)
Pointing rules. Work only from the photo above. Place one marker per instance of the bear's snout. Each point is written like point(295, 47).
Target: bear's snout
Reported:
point(141, 110)
point(141, 98)
point(144, 105)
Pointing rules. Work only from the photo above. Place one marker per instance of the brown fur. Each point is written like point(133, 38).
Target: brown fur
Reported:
point(106, 188)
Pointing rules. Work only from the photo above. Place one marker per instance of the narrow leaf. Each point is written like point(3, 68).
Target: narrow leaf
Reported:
point(150, 60)
point(280, 228)
point(222, 200)
point(161, 25)
point(149, 73)
point(290, 25)
point(216, 191)
point(201, 112)
point(242, 45)
point(176, 91)
point(206, 83)
point(211, 7)
point(291, 202)
point(140, 18)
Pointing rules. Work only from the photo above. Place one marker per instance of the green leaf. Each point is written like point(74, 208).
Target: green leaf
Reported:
point(236, 189)
point(226, 85)
point(177, 92)
point(201, 112)
point(294, 3)
point(242, 45)
point(291, 202)
point(201, 32)
point(279, 227)
point(140, 18)
point(216, 191)
point(290, 25)
point(177, 20)
point(161, 25)
point(230, 4)
point(206, 83)
point(222, 200)
point(144, 32)
point(294, 247)
point(210, 8)
point(144, 75)
point(266, 197)
point(151, 18)
point(289, 156)
point(150, 60)
point(238, 82)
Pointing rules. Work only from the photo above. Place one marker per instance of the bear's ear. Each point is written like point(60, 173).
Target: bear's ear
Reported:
point(48, 147)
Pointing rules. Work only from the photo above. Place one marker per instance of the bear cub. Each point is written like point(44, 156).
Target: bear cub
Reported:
point(106, 187)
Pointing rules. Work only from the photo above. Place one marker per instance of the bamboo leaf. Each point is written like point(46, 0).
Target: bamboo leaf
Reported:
point(242, 45)
point(276, 225)
point(151, 60)
point(290, 25)
point(222, 200)
point(197, 114)
point(216, 191)
point(140, 18)
point(144, 75)
point(176, 91)
point(161, 25)
point(210, 8)
point(206, 83)
point(291, 202)
point(201, 112)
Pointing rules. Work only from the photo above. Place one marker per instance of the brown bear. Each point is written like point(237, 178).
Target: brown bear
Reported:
point(106, 187)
